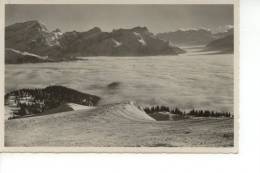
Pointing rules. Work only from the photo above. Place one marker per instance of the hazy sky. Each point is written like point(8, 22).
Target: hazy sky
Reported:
point(158, 18)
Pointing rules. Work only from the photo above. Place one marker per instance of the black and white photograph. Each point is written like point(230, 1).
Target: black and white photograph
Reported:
point(136, 76)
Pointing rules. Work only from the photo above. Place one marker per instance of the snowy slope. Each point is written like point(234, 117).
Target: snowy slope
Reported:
point(116, 125)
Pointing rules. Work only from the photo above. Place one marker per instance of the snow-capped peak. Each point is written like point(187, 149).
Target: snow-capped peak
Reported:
point(140, 38)
point(54, 37)
point(117, 43)
point(57, 33)
point(170, 44)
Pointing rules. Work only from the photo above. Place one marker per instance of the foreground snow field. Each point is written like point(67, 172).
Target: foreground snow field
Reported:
point(116, 125)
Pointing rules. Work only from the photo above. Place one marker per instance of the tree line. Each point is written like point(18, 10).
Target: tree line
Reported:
point(193, 112)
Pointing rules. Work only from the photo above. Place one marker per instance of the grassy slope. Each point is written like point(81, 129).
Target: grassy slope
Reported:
point(117, 126)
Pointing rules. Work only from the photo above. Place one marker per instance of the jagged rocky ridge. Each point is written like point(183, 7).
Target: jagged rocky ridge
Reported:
point(34, 38)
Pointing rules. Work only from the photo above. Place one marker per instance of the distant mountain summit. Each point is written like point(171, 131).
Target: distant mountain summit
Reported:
point(220, 35)
point(193, 37)
point(33, 37)
point(225, 44)
point(189, 37)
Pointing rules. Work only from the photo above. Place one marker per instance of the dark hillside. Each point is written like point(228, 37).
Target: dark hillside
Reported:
point(33, 101)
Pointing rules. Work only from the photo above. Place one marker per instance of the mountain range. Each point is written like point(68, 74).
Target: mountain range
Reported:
point(193, 37)
point(32, 41)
